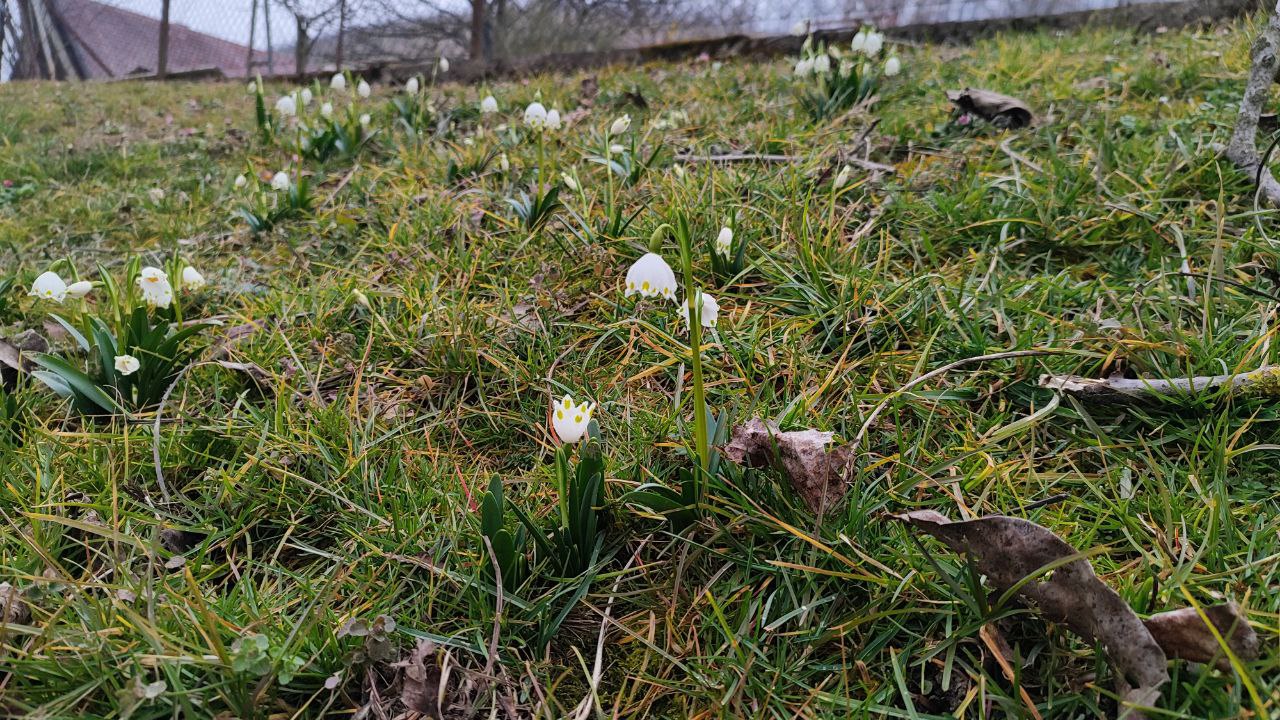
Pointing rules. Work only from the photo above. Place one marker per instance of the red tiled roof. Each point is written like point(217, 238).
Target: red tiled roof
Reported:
point(111, 42)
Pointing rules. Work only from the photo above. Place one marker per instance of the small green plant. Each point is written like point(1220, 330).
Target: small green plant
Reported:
point(834, 80)
point(415, 114)
point(536, 212)
point(464, 164)
point(340, 135)
point(268, 206)
point(508, 547)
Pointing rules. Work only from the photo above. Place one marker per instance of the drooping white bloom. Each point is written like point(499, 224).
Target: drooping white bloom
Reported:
point(156, 194)
point(241, 181)
point(843, 178)
point(364, 120)
point(804, 66)
point(489, 104)
point(326, 110)
point(801, 28)
point(306, 96)
point(444, 64)
point(535, 116)
point(127, 364)
point(875, 41)
point(651, 276)
point(570, 421)
point(155, 287)
point(49, 286)
point(708, 314)
point(339, 82)
point(191, 278)
point(504, 162)
point(822, 64)
point(616, 149)
point(892, 66)
point(77, 290)
point(287, 106)
point(569, 181)
point(620, 125)
point(553, 119)
point(280, 181)
point(859, 43)
point(252, 88)
point(724, 241)
point(363, 89)
point(411, 87)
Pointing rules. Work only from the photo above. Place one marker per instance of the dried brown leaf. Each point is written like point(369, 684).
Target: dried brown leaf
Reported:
point(1008, 550)
point(1183, 634)
point(13, 608)
point(420, 690)
point(999, 110)
point(815, 472)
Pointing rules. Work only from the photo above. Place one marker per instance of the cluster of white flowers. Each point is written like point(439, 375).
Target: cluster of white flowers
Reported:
point(489, 105)
point(51, 286)
point(867, 43)
point(539, 118)
point(154, 285)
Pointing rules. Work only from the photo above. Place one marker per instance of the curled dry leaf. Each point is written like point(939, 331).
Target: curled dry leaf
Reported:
point(421, 689)
point(815, 472)
point(13, 608)
point(1008, 550)
point(1182, 633)
point(999, 110)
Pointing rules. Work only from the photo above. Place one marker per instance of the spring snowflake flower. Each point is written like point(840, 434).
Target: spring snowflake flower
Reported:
point(553, 120)
point(708, 315)
point(535, 116)
point(804, 66)
point(192, 278)
point(651, 276)
point(77, 290)
point(252, 88)
point(127, 364)
point(339, 82)
point(859, 43)
point(306, 97)
point(280, 181)
point(616, 149)
point(801, 28)
point(444, 64)
point(892, 66)
point(489, 105)
point(843, 178)
point(241, 181)
point(875, 41)
point(569, 181)
point(363, 89)
point(570, 421)
point(156, 194)
point(504, 163)
point(49, 286)
point(364, 120)
point(411, 87)
point(326, 110)
point(287, 106)
point(724, 241)
point(822, 64)
point(155, 287)
point(620, 125)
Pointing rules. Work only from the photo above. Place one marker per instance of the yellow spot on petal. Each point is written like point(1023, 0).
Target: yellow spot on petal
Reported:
point(560, 414)
point(577, 418)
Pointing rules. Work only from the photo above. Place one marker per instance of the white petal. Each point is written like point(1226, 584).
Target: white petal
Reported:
point(651, 276)
point(50, 287)
point(77, 290)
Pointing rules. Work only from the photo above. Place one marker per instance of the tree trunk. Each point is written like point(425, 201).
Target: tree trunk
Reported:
point(162, 63)
point(253, 30)
point(1243, 149)
point(342, 36)
point(300, 47)
point(477, 30)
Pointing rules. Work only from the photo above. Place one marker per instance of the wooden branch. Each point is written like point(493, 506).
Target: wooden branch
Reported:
point(1243, 148)
point(1263, 381)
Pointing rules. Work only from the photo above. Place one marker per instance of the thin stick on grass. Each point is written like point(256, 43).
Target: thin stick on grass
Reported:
point(1264, 380)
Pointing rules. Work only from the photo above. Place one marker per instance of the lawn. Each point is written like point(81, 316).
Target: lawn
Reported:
point(344, 497)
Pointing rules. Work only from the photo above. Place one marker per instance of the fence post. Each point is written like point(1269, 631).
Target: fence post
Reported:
point(162, 64)
point(342, 35)
point(253, 30)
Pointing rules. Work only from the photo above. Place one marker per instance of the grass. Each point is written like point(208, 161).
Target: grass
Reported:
point(413, 336)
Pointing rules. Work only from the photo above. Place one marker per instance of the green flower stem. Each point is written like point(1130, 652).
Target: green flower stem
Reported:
point(693, 296)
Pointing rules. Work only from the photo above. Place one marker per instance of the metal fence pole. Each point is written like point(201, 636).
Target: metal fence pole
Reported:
point(162, 63)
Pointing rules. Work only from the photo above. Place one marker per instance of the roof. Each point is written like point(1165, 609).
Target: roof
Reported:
point(111, 42)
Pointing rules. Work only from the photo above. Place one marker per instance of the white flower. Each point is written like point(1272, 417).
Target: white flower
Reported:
point(192, 278)
point(489, 104)
point(651, 276)
point(411, 87)
point(339, 82)
point(241, 181)
point(444, 64)
point(50, 287)
point(535, 116)
point(875, 41)
point(252, 88)
point(280, 181)
point(306, 96)
point(804, 66)
point(859, 43)
point(708, 315)
point(569, 181)
point(892, 66)
point(822, 65)
point(156, 194)
point(326, 110)
point(800, 28)
point(620, 125)
point(77, 290)
point(504, 162)
point(127, 364)
point(616, 149)
point(843, 178)
point(287, 106)
point(363, 89)
point(364, 120)
point(724, 241)
point(553, 119)
point(155, 287)
point(570, 421)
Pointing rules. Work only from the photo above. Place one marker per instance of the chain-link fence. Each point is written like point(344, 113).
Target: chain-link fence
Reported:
point(108, 39)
